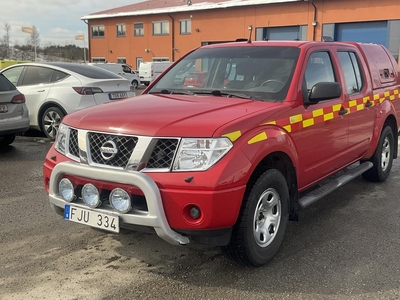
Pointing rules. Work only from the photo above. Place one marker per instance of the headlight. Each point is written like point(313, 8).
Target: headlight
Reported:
point(90, 195)
point(120, 200)
point(61, 138)
point(200, 154)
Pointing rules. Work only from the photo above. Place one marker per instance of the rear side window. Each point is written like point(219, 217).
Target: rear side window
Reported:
point(58, 75)
point(37, 75)
point(352, 72)
point(5, 84)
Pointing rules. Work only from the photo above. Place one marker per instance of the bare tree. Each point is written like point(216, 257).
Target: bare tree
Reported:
point(5, 42)
point(34, 39)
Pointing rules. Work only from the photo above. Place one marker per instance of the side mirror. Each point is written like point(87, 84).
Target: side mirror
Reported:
point(324, 91)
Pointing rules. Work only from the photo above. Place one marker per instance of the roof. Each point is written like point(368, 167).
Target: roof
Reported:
point(150, 7)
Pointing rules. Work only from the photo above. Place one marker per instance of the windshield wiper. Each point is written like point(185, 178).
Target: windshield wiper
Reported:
point(168, 92)
point(228, 95)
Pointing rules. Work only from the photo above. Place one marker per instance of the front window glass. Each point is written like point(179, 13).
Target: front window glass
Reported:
point(13, 74)
point(259, 73)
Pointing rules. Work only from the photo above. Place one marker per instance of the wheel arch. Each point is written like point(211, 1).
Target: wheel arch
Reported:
point(282, 162)
point(44, 107)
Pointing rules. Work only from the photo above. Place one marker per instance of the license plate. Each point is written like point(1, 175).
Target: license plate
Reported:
point(91, 218)
point(3, 108)
point(114, 96)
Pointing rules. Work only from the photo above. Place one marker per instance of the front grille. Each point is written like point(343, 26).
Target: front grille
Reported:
point(124, 144)
point(73, 146)
point(162, 154)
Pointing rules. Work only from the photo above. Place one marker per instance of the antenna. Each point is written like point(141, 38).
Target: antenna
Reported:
point(251, 30)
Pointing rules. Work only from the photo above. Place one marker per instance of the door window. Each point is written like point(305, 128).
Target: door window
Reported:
point(13, 74)
point(37, 75)
point(351, 70)
point(319, 69)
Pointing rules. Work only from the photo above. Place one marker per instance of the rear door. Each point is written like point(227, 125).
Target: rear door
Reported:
point(358, 93)
point(320, 130)
point(35, 83)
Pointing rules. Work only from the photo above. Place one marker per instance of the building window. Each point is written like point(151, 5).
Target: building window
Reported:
point(186, 26)
point(121, 30)
point(161, 28)
point(138, 29)
point(98, 31)
point(294, 33)
point(121, 60)
point(158, 59)
point(98, 60)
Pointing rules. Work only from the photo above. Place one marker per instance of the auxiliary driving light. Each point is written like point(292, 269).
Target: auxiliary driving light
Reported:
point(90, 195)
point(66, 189)
point(120, 200)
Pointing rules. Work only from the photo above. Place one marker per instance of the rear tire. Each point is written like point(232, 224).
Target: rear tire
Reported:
point(6, 140)
point(135, 84)
point(383, 157)
point(260, 228)
point(51, 120)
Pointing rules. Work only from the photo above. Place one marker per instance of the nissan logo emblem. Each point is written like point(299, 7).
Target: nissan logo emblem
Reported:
point(108, 150)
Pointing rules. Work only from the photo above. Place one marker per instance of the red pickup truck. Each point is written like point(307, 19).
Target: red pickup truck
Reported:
point(275, 127)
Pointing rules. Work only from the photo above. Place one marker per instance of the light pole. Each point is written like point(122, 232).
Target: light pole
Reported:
point(81, 37)
point(31, 31)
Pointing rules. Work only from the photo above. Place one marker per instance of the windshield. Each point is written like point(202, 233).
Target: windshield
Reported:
point(259, 73)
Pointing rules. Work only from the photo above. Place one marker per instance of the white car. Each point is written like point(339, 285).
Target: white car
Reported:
point(53, 90)
point(121, 69)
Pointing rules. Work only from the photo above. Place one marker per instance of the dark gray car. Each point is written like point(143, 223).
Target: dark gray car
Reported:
point(14, 117)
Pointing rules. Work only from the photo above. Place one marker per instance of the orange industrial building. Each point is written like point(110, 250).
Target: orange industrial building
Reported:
point(164, 30)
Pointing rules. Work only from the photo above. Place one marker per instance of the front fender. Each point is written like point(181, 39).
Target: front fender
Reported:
point(257, 144)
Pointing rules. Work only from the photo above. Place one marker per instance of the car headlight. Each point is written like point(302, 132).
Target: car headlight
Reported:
point(61, 139)
point(196, 154)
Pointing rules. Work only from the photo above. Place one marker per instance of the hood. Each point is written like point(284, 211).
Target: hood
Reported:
point(166, 115)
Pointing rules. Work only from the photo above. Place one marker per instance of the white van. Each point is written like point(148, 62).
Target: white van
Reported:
point(122, 70)
point(148, 71)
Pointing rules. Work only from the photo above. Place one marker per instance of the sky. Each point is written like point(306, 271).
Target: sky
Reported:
point(57, 21)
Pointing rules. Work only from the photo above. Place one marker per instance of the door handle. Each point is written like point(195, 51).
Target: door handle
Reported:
point(41, 91)
point(368, 104)
point(343, 111)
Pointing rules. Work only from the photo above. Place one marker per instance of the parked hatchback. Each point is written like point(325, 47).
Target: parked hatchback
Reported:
point(53, 90)
point(14, 117)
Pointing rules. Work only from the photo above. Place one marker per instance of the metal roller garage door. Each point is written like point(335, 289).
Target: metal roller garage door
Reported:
point(282, 33)
point(364, 32)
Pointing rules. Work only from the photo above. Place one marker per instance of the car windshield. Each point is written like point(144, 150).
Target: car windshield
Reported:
point(255, 72)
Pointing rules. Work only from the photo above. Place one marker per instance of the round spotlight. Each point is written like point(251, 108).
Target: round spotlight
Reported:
point(120, 200)
point(90, 195)
point(66, 189)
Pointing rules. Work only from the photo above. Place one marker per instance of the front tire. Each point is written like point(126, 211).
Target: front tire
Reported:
point(259, 231)
point(383, 157)
point(7, 140)
point(51, 120)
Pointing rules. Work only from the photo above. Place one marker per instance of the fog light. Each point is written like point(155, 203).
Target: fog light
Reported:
point(90, 195)
point(195, 212)
point(66, 189)
point(120, 200)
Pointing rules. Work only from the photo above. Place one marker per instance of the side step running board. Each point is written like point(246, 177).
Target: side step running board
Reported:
point(332, 185)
